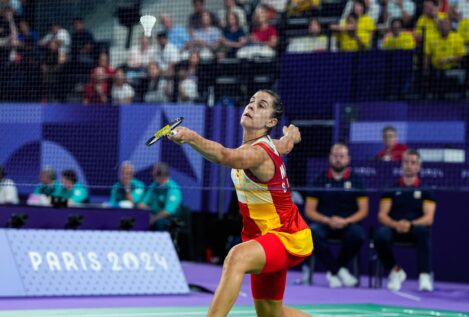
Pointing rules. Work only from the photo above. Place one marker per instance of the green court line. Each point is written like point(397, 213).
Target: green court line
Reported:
point(355, 310)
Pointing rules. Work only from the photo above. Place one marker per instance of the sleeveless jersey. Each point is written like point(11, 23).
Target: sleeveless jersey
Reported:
point(267, 207)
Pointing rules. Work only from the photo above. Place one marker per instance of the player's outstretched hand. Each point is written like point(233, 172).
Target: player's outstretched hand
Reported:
point(293, 133)
point(181, 135)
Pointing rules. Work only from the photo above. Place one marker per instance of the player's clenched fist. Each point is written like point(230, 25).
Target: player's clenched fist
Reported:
point(181, 135)
point(293, 133)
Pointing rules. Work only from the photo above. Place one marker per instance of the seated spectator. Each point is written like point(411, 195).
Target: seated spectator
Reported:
point(8, 191)
point(398, 39)
point(27, 44)
point(314, 42)
point(128, 191)
point(337, 213)
point(234, 36)
point(71, 190)
point(398, 9)
point(304, 7)
point(348, 37)
point(371, 7)
point(187, 74)
point(166, 54)
point(263, 39)
point(122, 93)
point(459, 13)
point(406, 213)
point(230, 6)
point(47, 188)
point(392, 149)
point(52, 65)
point(139, 57)
point(205, 39)
point(97, 90)
point(427, 23)
point(177, 35)
point(195, 19)
point(60, 36)
point(446, 49)
point(8, 32)
point(82, 51)
point(154, 88)
point(163, 198)
point(103, 63)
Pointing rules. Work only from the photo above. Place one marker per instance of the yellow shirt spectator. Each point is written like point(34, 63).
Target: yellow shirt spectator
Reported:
point(365, 28)
point(429, 25)
point(302, 6)
point(443, 50)
point(404, 41)
point(463, 30)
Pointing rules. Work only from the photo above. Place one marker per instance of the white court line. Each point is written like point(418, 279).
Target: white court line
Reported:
point(408, 296)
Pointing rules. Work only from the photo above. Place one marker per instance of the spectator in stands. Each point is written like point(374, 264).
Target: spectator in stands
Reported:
point(459, 13)
point(52, 65)
point(304, 7)
point(336, 205)
point(8, 191)
point(71, 190)
point(187, 74)
point(122, 93)
point(166, 54)
point(230, 6)
point(97, 90)
point(392, 149)
point(103, 63)
point(155, 88)
point(196, 18)
point(58, 35)
point(128, 191)
point(27, 43)
point(234, 36)
point(263, 39)
point(349, 38)
point(177, 35)
point(82, 50)
point(139, 57)
point(205, 39)
point(446, 50)
point(273, 8)
point(427, 23)
point(8, 34)
point(398, 9)
point(397, 38)
point(314, 42)
point(371, 7)
point(163, 198)
point(406, 213)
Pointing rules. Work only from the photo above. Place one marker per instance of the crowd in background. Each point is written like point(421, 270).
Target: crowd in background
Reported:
point(166, 66)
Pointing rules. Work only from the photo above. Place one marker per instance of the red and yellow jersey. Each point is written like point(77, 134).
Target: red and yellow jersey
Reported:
point(267, 207)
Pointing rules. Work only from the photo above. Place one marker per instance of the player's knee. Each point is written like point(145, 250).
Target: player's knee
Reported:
point(235, 260)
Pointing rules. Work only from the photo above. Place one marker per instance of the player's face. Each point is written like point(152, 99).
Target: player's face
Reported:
point(258, 112)
point(410, 165)
point(339, 158)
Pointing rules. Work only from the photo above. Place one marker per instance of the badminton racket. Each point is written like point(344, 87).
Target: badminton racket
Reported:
point(164, 131)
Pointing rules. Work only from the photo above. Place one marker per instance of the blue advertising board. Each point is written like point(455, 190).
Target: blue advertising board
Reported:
point(76, 263)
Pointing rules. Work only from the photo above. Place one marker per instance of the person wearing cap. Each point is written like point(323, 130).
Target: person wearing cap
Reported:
point(163, 198)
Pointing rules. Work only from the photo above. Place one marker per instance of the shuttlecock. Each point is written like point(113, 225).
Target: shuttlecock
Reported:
point(148, 21)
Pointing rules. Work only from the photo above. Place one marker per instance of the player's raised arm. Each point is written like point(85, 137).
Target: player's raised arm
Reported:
point(244, 157)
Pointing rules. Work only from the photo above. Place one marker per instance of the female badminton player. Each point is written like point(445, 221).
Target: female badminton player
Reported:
point(275, 236)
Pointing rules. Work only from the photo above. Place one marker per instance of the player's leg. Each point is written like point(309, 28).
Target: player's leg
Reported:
point(247, 257)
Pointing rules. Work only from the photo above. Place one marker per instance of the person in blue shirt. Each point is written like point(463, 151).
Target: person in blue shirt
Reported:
point(406, 213)
point(163, 198)
point(49, 185)
point(128, 188)
point(337, 205)
point(72, 190)
point(177, 35)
